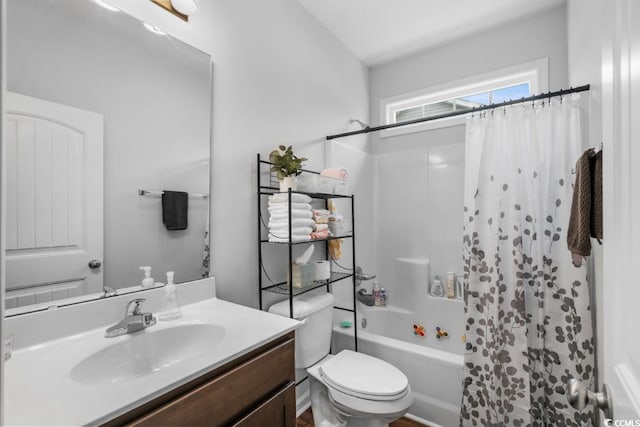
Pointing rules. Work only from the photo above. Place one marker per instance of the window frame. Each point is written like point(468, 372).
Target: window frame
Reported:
point(536, 73)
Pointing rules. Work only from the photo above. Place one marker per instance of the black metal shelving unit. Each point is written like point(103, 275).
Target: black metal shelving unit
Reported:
point(286, 287)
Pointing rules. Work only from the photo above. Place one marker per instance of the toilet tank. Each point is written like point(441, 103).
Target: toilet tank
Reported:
point(313, 338)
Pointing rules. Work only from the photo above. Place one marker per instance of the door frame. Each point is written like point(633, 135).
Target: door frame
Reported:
point(3, 87)
point(620, 181)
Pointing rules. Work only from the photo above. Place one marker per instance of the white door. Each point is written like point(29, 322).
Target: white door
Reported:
point(54, 201)
point(619, 310)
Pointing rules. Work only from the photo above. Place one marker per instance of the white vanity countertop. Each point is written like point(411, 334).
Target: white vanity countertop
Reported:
point(39, 389)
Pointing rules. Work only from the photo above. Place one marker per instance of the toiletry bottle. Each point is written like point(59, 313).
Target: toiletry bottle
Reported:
point(436, 288)
point(147, 282)
point(459, 288)
point(376, 294)
point(331, 205)
point(451, 285)
point(171, 309)
point(383, 297)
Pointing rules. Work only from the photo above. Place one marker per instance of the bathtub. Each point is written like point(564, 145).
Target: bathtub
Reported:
point(433, 367)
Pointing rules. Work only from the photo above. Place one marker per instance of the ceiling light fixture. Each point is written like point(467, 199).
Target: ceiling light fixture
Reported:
point(154, 29)
point(106, 5)
point(186, 7)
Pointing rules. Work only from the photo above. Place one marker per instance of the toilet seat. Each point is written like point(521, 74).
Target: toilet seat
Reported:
point(363, 377)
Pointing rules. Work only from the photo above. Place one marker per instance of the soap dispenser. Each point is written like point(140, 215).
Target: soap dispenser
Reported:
point(148, 281)
point(171, 308)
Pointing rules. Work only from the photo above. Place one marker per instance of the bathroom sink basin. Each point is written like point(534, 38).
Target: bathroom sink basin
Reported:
point(148, 351)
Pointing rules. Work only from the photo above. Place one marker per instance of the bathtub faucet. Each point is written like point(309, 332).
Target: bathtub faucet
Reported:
point(365, 298)
point(360, 276)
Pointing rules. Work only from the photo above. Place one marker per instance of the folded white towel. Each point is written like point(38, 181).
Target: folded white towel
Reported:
point(295, 213)
point(294, 239)
point(284, 231)
point(284, 198)
point(295, 222)
point(320, 227)
point(285, 206)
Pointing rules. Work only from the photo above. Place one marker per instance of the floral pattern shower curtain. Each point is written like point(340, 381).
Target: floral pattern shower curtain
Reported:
point(528, 319)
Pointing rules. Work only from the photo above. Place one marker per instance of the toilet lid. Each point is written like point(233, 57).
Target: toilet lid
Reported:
point(364, 376)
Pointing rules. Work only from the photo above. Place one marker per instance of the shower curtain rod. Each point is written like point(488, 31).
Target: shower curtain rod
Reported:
point(459, 113)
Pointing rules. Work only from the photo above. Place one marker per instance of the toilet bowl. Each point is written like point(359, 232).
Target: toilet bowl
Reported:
point(354, 389)
point(347, 389)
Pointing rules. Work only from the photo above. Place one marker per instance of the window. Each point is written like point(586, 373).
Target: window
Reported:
point(464, 95)
point(464, 103)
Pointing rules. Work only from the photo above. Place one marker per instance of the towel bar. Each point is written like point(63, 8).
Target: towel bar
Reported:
point(160, 192)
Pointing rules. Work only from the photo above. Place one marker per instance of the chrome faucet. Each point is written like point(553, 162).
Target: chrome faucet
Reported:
point(360, 276)
point(133, 321)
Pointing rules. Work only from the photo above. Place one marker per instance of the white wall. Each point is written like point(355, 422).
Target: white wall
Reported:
point(539, 36)
point(585, 35)
point(584, 41)
point(279, 78)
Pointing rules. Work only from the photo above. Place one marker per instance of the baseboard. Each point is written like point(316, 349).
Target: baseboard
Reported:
point(303, 403)
point(421, 420)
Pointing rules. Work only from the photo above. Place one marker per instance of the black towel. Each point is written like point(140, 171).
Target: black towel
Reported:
point(175, 207)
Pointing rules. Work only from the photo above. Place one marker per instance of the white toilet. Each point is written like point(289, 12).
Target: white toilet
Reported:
point(348, 389)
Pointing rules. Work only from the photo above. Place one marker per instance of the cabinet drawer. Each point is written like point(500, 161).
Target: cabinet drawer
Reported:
point(230, 395)
point(279, 411)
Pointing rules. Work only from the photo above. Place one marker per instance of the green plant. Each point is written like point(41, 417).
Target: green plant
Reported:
point(285, 163)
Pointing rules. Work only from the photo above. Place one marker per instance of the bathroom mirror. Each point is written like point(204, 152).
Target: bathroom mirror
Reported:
point(99, 107)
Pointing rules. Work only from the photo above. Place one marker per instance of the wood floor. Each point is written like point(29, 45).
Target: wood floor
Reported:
point(306, 420)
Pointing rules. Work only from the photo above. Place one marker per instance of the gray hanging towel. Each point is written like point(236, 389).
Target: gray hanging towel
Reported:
point(175, 208)
point(586, 209)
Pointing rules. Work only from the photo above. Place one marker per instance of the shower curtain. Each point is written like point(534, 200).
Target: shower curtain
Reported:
point(528, 320)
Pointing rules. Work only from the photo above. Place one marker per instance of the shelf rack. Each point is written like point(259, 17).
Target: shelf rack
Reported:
point(286, 287)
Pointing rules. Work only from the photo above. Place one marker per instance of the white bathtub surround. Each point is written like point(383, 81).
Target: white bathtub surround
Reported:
point(51, 366)
point(410, 283)
point(528, 311)
point(433, 367)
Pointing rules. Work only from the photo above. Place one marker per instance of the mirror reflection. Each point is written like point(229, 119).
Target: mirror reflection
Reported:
point(103, 116)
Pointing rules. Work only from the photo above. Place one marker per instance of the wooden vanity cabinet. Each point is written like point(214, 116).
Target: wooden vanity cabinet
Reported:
point(257, 389)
